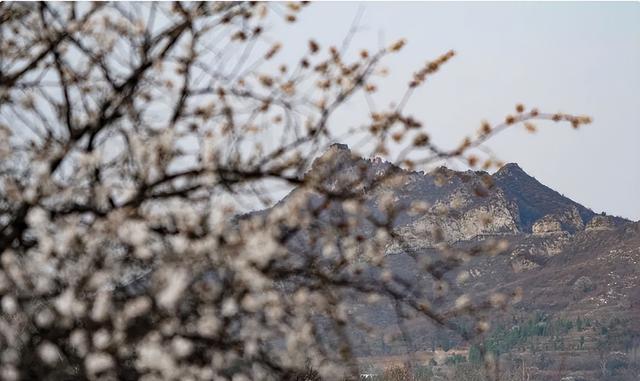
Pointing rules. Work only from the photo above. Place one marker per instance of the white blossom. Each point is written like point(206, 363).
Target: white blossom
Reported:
point(152, 356)
point(229, 307)
point(208, 325)
point(9, 305)
point(101, 306)
point(136, 307)
point(176, 282)
point(98, 362)
point(181, 347)
point(45, 318)
point(49, 353)
point(101, 339)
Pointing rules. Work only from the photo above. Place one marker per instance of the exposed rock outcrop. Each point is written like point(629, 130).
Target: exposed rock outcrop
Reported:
point(446, 222)
point(547, 225)
point(567, 221)
point(601, 223)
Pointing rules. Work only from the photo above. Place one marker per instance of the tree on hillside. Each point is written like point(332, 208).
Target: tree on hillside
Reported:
point(131, 135)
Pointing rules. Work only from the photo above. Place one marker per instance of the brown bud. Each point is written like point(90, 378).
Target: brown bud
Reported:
point(313, 47)
point(530, 127)
point(486, 128)
point(421, 140)
point(396, 46)
point(510, 119)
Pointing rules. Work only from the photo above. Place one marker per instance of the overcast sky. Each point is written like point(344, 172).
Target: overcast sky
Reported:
point(581, 58)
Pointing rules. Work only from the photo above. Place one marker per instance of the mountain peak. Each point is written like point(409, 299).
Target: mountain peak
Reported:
point(339, 146)
point(336, 152)
point(533, 199)
point(511, 168)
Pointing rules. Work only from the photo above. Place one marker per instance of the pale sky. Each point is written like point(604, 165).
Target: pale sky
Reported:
point(581, 58)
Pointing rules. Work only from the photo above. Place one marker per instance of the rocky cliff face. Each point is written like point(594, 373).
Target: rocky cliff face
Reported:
point(547, 225)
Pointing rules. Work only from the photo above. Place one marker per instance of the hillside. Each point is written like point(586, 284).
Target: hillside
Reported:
point(567, 261)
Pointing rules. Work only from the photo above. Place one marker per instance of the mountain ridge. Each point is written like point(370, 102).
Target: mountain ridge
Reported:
point(529, 199)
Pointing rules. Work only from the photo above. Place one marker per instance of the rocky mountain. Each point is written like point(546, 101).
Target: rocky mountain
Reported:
point(463, 205)
point(568, 261)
